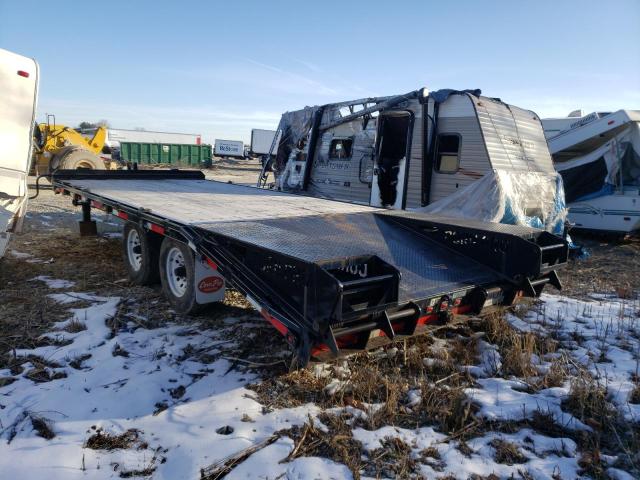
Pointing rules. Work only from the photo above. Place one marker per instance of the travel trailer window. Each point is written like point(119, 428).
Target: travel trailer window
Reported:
point(447, 154)
point(341, 148)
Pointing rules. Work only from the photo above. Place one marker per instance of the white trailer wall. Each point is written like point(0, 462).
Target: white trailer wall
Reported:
point(116, 135)
point(261, 141)
point(18, 96)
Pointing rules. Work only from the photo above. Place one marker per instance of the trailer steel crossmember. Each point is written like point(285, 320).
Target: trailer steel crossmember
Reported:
point(329, 281)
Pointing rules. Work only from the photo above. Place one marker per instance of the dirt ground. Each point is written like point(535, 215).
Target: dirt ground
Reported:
point(612, 266)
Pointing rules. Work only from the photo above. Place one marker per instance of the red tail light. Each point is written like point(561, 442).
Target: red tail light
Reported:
point(24, 74)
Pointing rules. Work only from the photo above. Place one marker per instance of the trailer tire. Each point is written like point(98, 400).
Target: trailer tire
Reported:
point(141, 250)
point(177, 276)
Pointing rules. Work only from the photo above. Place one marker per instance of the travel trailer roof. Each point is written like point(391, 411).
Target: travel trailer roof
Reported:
point(513, 137)
point(586, 133)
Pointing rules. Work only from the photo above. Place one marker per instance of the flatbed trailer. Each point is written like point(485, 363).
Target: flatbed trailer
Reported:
point(328, 275)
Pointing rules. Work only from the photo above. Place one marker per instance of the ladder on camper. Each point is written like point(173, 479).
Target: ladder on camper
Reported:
point(266, 161)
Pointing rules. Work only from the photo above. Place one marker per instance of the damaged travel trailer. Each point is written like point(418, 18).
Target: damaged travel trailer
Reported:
point(18, 96)
point(598, 156)
point(454, 153)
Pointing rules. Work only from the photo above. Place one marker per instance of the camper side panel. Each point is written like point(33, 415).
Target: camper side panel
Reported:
point(340, 177)
point(457, 116)
point(515, 139)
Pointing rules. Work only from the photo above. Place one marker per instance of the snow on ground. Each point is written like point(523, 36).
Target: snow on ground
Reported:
point(541, 456)
point(117, 384)
point(53, 282)
point(19, 255)
point(185, 413)
point(603, 335)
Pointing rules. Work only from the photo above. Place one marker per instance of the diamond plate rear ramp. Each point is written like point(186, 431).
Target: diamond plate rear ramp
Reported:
point(427, 268)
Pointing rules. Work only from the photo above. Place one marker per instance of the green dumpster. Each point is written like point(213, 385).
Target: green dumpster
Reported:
point(178, 155)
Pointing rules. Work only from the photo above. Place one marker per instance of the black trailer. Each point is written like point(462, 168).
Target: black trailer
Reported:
point(328, 275)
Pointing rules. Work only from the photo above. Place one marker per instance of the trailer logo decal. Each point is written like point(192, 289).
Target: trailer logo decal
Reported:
point(210, 284)
point(361, 270)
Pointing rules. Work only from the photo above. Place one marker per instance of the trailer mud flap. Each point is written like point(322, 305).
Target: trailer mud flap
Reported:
point(209, 284)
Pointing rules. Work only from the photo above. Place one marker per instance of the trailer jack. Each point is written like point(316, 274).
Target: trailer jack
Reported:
point(87, 226)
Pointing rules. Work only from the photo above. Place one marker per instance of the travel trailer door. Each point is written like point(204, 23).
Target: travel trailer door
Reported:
point(390, 163)
point(18, 94)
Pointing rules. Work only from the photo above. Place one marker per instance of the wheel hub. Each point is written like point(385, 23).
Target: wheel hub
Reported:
point(176, 272)
point(134, 250)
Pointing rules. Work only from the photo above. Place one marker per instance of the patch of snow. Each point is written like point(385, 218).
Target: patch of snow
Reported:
point(509, 400)
point(53, 282)
point(602, 335)
point(19, 255)
point(120, 384)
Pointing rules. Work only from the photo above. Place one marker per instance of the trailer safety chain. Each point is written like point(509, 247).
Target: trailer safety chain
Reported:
point(44, 175)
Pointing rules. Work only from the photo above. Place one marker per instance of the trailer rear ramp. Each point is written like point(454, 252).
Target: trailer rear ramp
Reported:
point(328, 274)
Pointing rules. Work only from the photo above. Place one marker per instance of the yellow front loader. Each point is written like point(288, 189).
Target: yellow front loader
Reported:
point(58, 147)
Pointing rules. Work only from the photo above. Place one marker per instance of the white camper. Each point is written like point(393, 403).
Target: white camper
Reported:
point(598, 156)
point(454, 153)
point(262, 141)
point(18, 97)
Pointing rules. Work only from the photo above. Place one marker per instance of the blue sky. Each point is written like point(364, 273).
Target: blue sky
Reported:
point(221, 68)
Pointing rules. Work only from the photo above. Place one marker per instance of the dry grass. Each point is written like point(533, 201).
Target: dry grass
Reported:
point(392, 460)
point(102, 440)
point(42, 426)
point(588, 402)
point(507, 452)
point(634, 397)
point(74, 326)
point(27, 311)
point(612, 434)
point(518, 350)
point(379, 383)
point(612, 266)
point(336, 443)
point(384, 378)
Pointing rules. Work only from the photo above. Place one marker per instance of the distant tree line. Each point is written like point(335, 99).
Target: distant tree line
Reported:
point(89, 125)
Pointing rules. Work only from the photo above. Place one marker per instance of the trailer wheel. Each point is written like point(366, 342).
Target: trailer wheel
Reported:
point(141, 250)
point(177, 275)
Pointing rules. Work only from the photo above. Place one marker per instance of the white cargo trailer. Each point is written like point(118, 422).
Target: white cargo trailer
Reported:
point(18, 97)
point(117, 135)
point(261, 142)
point(228, 148)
